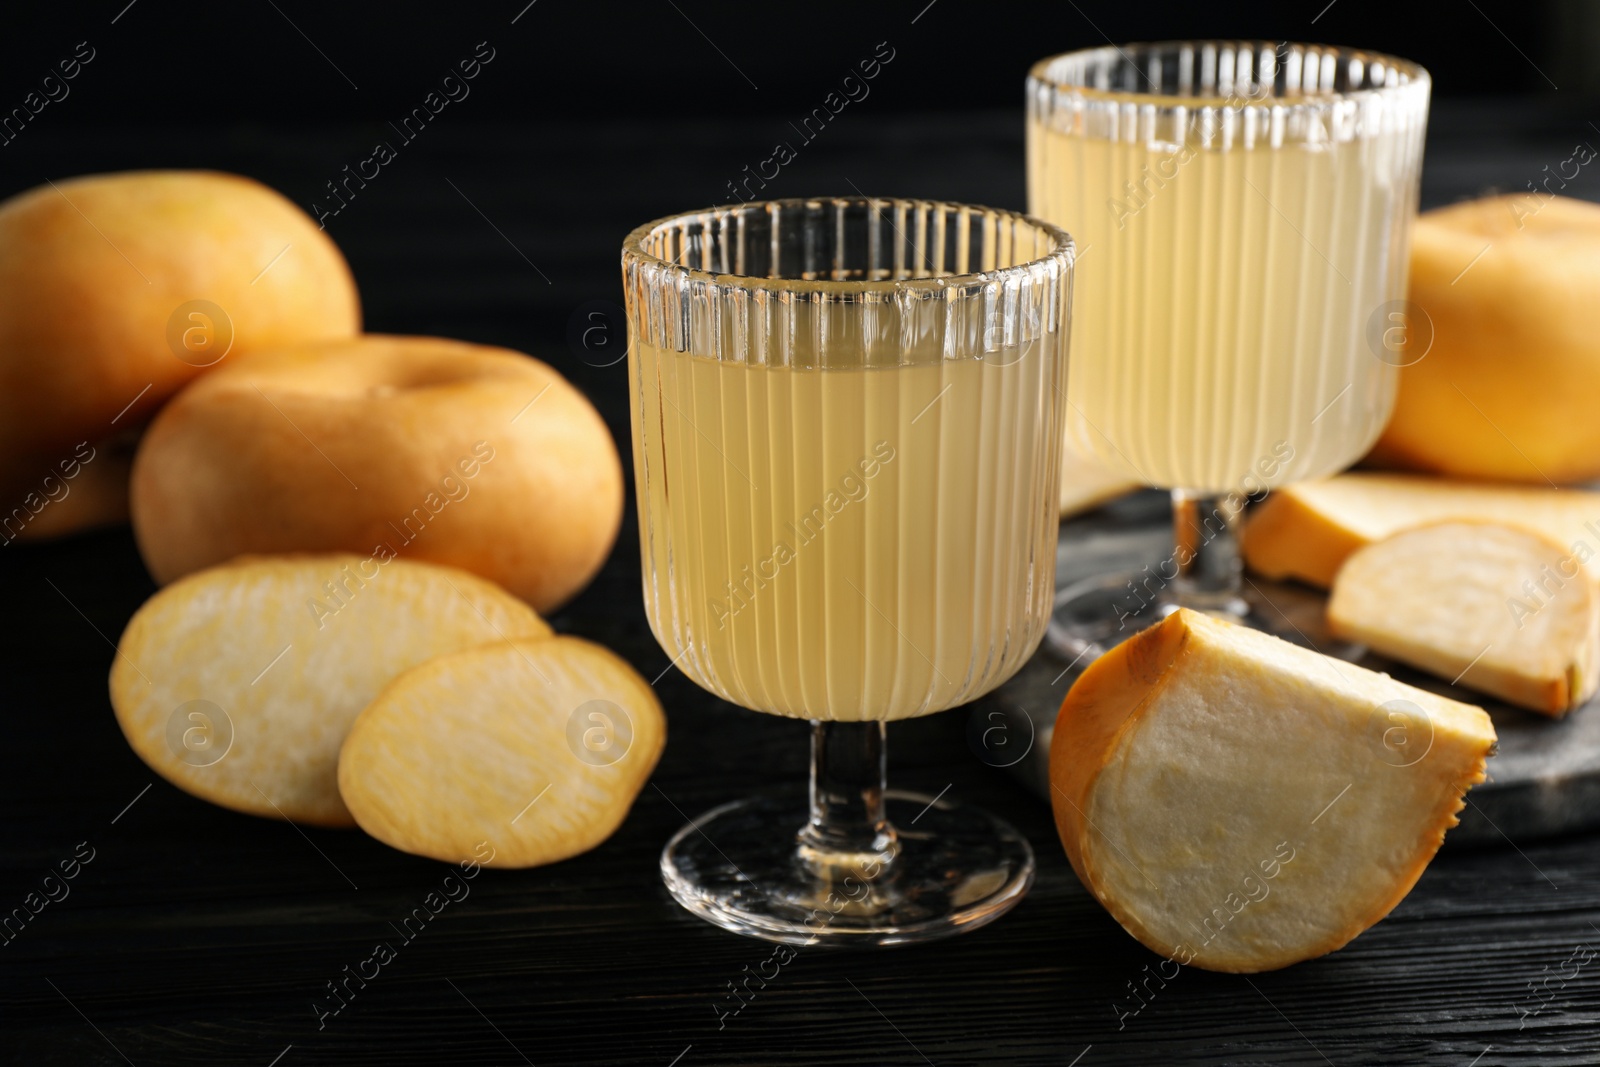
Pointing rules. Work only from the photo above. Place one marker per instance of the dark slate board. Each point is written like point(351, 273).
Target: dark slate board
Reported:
point(1544, 781)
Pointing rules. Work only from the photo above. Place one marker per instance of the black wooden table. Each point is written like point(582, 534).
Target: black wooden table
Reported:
point(198, 936)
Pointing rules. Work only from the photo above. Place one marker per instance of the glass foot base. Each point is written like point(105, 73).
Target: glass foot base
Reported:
point(1096, 614)
point(948, 868)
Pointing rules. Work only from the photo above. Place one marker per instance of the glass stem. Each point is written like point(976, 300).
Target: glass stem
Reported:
point(848, 827)
point(1205, 532)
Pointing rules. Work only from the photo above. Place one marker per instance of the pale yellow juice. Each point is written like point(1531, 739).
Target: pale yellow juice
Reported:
point(1220, 333)
point(847, 542)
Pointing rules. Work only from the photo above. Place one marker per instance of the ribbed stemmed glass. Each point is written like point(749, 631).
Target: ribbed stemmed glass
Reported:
point(847, 418)
point(1243, 211)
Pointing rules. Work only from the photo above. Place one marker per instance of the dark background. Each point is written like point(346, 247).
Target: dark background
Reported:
point(196, 62)
point(199, 936)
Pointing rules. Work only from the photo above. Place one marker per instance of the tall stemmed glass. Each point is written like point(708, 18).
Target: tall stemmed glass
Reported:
point(1244, 213)
point(847, 420)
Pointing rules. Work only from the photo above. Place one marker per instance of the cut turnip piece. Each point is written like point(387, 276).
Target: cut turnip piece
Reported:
point(1499, 609)
point(239, 683)
point(511, 755)
point(1241, 803)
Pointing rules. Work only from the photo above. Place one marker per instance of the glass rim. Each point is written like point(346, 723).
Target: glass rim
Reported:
point(1062, 256)
point(1414, 75)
